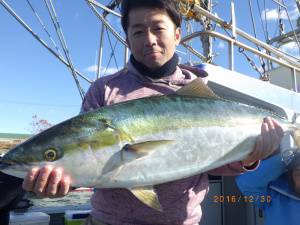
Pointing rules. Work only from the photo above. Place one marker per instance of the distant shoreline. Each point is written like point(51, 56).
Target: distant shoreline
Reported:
point(9, 140)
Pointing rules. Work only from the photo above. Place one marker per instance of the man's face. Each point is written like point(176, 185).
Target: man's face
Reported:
point(152, 36)
point(296, 178)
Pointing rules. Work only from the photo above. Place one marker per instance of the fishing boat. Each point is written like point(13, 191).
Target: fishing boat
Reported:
point(243, 61)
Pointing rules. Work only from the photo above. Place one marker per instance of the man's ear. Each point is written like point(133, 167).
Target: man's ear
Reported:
point(177, 35)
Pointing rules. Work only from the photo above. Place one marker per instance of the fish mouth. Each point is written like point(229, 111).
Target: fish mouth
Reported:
point(5, 165)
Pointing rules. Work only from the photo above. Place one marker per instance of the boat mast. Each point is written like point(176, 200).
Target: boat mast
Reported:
point(206, 39)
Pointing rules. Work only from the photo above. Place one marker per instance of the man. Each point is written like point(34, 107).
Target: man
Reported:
point(11, 193)
point(277, 184)
point(153, 31)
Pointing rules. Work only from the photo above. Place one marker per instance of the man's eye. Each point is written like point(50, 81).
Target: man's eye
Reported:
point(160, 28)
point(137, 33)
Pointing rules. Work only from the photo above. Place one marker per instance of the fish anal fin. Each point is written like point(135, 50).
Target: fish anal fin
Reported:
point(197, 88)
point(148, 196)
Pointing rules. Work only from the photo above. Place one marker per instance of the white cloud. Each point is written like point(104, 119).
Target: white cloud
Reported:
point(291, 48)
point(221, 45)
point(91, 69)
point(272, 14)
point(94, 68)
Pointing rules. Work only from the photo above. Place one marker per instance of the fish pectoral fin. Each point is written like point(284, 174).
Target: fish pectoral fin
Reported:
point(148, 196)
point(144, 148)
point(120, 133)
point(197, 88)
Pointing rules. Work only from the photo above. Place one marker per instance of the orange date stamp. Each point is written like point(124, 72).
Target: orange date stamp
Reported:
point(242, 198)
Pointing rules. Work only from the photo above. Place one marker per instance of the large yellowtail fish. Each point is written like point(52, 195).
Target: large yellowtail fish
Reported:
point(144, 142)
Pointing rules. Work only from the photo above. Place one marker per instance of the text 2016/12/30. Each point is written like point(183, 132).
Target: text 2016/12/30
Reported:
point(241, 198)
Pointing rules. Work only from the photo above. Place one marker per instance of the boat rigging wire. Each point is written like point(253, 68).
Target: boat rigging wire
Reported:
point(63, 43)
point(262, 62)
point(262, 22)
point(15, 15)
point(112, 53)
point(107, 9)
point(106, 23)
point(263, 75)
point(43, 25)
point(112, 48)
point(266, 23)
point(36, 104)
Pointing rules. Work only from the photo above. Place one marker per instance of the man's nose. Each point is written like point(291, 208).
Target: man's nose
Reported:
point(150, 39)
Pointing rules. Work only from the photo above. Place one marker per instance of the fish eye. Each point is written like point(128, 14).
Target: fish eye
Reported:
point(50, 154)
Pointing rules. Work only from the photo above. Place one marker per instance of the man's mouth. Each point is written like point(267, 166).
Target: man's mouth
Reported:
point(151, 53)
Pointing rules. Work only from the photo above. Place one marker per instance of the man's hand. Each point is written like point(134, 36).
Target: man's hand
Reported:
point(47, 182)
point(267, 143)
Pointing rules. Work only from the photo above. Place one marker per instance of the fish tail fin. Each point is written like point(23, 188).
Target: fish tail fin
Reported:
point(293, 129)
point(296, 136)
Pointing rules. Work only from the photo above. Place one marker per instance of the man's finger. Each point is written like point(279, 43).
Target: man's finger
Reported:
point(274, 138)
point(255, 154)
point(42, 180)
point(265, 137)
point(53, 184)
point(64, 187)
point(29, 180)
point(279, 129)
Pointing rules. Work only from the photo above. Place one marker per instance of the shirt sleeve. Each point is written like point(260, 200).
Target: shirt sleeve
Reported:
point(256, 182)
point(94, 97)
point(233, 169)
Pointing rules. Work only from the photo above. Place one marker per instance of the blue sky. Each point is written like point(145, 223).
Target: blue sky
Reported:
point(34, 82)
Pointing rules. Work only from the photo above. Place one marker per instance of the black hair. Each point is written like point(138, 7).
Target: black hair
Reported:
point(291, 167)
point(169, 6)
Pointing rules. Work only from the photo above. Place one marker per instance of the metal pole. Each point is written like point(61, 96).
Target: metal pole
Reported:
point(100, 51)
point(239, 44)
point(231, 46)
point(201, 11)
point(233, 19)
point(206, 40)
point(295, 80)
point(126, 56)
point(231, 55)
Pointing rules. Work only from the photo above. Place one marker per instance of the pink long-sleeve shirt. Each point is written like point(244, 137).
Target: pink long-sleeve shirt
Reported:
point(180, 200)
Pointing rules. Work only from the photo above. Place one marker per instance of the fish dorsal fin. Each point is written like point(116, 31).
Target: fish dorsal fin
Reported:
point(197, 88)
point(148, 196)
point(144, 148)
